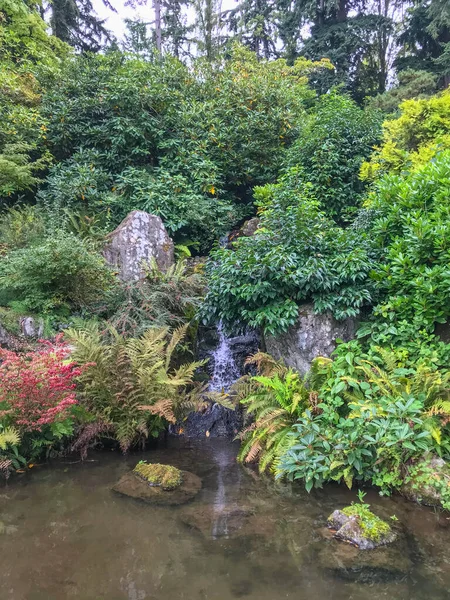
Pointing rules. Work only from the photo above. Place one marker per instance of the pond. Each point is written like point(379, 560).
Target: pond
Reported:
point(65, 534)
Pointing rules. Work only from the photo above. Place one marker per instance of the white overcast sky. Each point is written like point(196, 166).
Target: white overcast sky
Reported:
point(115, 22)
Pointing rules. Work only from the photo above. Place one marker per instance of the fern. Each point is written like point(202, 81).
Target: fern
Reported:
point(9, 437)
point(130, 385)
point(275, 399)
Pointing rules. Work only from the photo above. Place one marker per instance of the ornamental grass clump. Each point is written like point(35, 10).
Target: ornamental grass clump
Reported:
point(164, 476)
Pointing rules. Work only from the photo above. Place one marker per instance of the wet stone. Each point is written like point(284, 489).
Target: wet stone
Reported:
point(135, 487)
point(366, 533)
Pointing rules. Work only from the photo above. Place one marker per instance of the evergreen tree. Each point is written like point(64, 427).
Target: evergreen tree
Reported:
point(75, 22)
point(253, 24)
point(425, 41)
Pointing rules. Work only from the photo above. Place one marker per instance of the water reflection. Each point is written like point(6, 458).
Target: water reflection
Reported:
point(65, 535)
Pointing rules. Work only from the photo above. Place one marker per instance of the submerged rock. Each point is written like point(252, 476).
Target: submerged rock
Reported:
point(386, 563)
point(162, 485)
point(228, 521)
point(361, 528)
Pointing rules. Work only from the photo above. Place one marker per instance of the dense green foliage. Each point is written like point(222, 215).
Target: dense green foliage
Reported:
point(330, 147)
point(299, 254)
point(409, 142)
point(374, 419)
point(186, 144)
point(131, 386)
point(61, 273)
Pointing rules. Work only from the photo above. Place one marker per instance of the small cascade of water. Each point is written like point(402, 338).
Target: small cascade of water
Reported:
point(225, 370)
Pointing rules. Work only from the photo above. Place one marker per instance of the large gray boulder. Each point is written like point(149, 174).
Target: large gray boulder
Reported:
point(313, 335)
point(140, 238)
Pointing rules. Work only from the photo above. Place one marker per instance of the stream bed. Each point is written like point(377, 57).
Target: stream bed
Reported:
point(64, 534)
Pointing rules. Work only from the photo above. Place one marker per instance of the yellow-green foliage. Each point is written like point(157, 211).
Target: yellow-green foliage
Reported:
point(409, 142)
point(9, 437)
point(165, 476)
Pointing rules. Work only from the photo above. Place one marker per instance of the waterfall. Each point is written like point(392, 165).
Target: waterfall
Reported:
point(225, 369)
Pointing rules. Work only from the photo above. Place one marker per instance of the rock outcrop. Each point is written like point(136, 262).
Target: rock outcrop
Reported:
point(313, 335)
point(140, 238)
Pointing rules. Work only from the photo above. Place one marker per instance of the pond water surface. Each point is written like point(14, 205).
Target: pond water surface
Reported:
point(64, 534)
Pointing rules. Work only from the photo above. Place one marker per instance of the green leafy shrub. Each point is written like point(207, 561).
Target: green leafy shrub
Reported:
point(375, 418)
point(131, 385)
point(297, 255)
point(60, 273)
point(410, 231)
point(412, 140)
point(332, 144)
point(274, 400)
point(185, 143)
point(19, 227)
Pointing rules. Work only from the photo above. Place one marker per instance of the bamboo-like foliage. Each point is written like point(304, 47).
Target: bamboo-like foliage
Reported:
point(131, 384)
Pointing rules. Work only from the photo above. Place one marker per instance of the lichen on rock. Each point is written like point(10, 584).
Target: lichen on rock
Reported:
point(164, 476)
point(359, 526)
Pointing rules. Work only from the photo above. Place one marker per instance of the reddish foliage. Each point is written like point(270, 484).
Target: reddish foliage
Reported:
point(37, 388)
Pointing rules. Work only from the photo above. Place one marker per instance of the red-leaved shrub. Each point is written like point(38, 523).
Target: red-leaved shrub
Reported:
point(37, 388)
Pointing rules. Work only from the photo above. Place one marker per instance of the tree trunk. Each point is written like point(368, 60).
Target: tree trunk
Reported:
point(158, 36)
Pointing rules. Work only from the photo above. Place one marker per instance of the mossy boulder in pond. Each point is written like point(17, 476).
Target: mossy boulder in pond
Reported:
point(166, 476)
point(359, 526)
point(159, 484)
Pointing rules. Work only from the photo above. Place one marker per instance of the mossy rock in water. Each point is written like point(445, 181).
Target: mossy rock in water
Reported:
point(360, 527)
point(159, 484)
point(428, 482)
point(166, 476)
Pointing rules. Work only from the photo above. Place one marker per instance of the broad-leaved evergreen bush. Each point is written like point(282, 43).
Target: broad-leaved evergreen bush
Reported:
point(410, 231)
point(297, 255)
point(373, 420)
point(186, 143)
point(28, 56)
point(420, 132)
point(333, 141)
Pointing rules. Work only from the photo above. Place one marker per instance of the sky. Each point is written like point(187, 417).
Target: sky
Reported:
point(115, 22)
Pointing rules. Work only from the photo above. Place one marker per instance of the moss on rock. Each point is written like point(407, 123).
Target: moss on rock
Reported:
point(372, 527)
point(359, 526)
point(164, 476)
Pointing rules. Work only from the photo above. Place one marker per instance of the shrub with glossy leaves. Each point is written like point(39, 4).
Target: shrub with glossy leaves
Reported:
point(297, 255)
point(333, 141)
